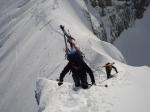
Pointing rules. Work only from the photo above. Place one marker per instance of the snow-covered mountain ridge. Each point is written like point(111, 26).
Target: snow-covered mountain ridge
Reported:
point(126, 93)
point(32, 46)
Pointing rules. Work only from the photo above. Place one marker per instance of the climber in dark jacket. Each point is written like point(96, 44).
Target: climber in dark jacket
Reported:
point(78, 68)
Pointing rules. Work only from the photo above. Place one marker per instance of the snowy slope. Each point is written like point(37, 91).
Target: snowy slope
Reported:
point(128, 92)
point(31, 46)
point(133, 95)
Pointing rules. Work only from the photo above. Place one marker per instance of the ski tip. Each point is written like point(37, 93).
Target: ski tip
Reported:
point(61, 26)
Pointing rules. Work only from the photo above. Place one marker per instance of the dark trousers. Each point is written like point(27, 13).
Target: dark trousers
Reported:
point(108, 74)
point(80, 79)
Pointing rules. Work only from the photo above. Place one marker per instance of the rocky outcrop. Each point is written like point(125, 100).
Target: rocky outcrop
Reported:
point(110, 18)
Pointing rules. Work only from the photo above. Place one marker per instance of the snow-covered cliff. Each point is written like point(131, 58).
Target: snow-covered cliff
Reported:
point(31, 46)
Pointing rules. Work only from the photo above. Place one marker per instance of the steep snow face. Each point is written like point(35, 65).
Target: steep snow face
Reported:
point(134, 43)
point(134, 95)
point(31, 45)
point(127, 92)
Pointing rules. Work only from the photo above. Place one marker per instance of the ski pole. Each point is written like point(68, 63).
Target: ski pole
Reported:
point(99, 85)
point(102, 85)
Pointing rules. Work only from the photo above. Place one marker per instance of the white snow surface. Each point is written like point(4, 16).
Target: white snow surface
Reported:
point(127, 92)
point(31, 46)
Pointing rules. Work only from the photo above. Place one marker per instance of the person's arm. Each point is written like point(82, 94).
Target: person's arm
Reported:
point(64, 72)
point(115, 69)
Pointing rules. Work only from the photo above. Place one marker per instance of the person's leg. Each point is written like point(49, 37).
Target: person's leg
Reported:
point(76, 79)
point(108, 74)
point(84, 82)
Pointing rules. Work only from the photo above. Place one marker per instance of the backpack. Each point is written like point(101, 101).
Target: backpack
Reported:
point(73, 55)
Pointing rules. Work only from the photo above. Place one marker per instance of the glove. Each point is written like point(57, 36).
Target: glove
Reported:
point(60, 83)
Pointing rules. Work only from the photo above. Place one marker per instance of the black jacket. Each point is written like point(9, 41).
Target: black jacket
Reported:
point(78, 67)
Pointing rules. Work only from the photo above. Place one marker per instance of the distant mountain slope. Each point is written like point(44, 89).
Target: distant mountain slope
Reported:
point(135, 43)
